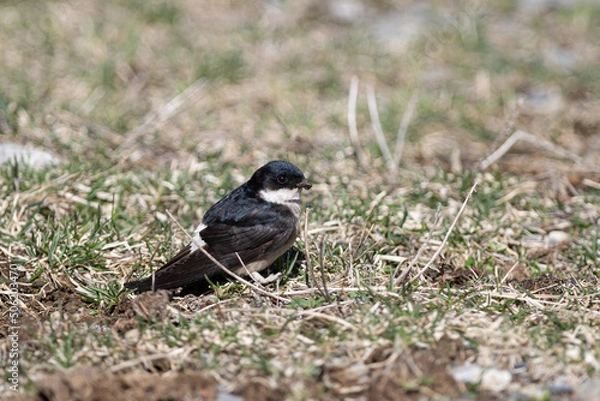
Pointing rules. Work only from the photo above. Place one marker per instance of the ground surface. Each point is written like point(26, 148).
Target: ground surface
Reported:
point(156, 106)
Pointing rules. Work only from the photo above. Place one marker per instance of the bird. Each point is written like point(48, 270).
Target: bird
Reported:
point(246, 231)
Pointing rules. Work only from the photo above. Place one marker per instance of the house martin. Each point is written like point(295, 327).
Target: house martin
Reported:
point(246, 231)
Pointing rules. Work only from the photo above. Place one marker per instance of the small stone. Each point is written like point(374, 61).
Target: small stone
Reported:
point(560, 57)
point(589, 390)
point(519, 368)
point(560, 389)
point(467, 373)
point(132, 336)
point(346, 10)
point(495, 380)
point(519, 396)
point(398, 29)
point(573, 354)
point(37, 159)
point(557, 237)
point(560, 386)
point(544, 101)
point(534, 392)
point(228, 397)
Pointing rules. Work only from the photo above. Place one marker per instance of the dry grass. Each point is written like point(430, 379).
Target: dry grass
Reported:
point(162, 107)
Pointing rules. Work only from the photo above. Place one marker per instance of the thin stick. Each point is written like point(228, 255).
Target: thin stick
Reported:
point(352, 127)
point(351, 264)
point(309, 266)
point(226, 270)
point(153, 288)
point(379, 290)
point(325, 316)
point(421, 248)
point(310, 313)
point(379, 135)
point(509, 123)
point(401, 138)
point(145, 359)
point(590, 183)
point(169, 110)
point(443, 244)
point(509, 272)
point(374, 203)
point(527, 137)
point(322, 269)
point(248, 271)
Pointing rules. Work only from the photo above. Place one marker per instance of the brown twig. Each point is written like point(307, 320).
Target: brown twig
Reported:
point(527, 137)
point(443, 244)
point(352, 127)
point(401, 138)
point(379, 135)
point(170, 109)
point(322, 269)
point(309, 266)
point(420, 250)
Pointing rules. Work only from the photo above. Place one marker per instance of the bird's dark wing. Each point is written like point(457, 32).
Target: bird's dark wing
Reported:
point(184, 268)
point(251, 243)
point(257, 235)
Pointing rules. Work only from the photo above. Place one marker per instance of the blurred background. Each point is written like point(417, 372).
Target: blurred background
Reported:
point(91, 81)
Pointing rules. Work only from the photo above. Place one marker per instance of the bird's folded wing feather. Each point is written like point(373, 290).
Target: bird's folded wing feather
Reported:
point(223, 240)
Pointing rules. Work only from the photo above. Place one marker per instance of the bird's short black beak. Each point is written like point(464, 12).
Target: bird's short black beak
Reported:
point(305, 184)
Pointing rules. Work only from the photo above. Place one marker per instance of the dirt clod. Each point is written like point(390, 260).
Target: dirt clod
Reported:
point(85, 383)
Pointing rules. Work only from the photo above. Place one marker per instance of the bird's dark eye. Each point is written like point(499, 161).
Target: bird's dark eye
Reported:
point(282, 179)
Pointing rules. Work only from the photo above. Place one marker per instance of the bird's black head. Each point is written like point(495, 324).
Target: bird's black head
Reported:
point(279, 178)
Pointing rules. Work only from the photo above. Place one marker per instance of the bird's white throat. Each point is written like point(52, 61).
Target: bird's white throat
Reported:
point(283, 196)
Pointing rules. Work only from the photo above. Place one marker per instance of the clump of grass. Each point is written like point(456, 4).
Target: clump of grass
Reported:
point(389, 272)
point(228, 66)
